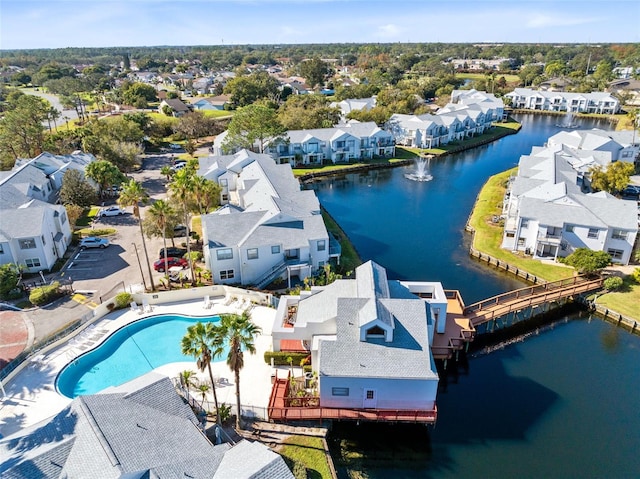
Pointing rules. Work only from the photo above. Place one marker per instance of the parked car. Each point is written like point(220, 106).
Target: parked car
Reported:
point(631, 190)
point(172, 253)
point(111, 211)
point(175, 146)
point(171, 263)
point(93, 242)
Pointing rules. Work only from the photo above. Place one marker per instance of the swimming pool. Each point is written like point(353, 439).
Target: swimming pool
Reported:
point(130, 352)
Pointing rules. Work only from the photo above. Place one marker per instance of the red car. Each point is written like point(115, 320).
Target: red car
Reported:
point(171, 263)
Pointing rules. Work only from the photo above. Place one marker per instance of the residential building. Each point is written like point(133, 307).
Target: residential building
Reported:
point(479, 64)
point(142, 429)
point(211, 103)
point(354, 104)
point(351, 141)
point(469, 113)
point(176, 106)
point(597, 102)
point(370, 339)
point(34, 230)
point(549, 211)
point(628, 88)
point(267, 228)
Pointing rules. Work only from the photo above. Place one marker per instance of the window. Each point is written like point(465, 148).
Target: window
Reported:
point(43, 241)
point(510, 234)
point(616, 253)
point(32, 262)
point(370, 393)
point(28, 243)
point(521, 241)
point(252, 253)
point(224, 182)
point(226, 274)
point(1, 249)
point(226, 253)
point(322, 245)
point(275, 249)
point(339, 144)
point(225, 197)
point(569, 228)
point(339, 391)
point(619, 235)
point(375, 332)
point(524, 223)
point(593, 233)
point(63, 217)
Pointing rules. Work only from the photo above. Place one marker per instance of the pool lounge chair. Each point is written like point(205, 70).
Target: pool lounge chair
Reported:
point(135, 307)
point(207, 302)
point(146, 307)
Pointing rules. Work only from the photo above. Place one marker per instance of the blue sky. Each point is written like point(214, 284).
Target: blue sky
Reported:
point(104, 23)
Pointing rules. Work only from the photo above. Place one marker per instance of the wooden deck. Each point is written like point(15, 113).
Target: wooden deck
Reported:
point(279, 412)
point(458, 331)
point(519, 299)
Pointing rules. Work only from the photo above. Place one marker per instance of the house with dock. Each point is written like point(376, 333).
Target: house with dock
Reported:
point(267, 227)
point(549, 210)
point(373, 344)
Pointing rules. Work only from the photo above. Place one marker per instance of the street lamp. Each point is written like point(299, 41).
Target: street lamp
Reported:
point(144, 283)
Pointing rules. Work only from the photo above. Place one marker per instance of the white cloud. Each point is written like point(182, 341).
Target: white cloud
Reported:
point(545, 21)
point(389, 31)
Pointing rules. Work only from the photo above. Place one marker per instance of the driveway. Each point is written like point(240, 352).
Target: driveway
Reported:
point(65, 115)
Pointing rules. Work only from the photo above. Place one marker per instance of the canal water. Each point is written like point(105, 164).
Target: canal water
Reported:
point(562, 403)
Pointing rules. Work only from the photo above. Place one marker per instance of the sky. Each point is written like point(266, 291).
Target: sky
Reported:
point(113, 23)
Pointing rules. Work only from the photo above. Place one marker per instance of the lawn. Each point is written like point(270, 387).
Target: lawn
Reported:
point(625, 301)
point(349, 259)
point(306, 452)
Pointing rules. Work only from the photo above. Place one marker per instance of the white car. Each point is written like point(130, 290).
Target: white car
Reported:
point(94, 242)
point(111, 211)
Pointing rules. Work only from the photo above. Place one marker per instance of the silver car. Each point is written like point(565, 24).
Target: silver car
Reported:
point(93, 242)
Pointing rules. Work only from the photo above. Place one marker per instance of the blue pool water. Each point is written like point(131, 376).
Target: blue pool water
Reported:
point(128, 353)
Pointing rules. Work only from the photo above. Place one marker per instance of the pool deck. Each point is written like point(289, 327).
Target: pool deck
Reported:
point(31, 395)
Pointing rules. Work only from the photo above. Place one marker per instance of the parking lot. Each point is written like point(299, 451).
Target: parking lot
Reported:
point(98, 271)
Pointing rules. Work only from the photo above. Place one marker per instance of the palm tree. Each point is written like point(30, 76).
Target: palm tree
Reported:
point(182, 191)
point(133, 194)
point(201, 342)
point(239, 333)
point(166, 171)
point(160, 212)
point(203, 388)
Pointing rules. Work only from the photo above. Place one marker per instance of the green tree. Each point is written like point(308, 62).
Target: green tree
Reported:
point(194, 125)
point(201, 342)
point(76, 190)
point(613, 283)
point(167, 171)
point(304, 112)
point(22, 131)
point(615, 178)
point(105, 174)
point(74, 212)
point(133, 194)
point(239, 333)
point(133, 92)
point(181, 190)
point(9, 277)
point(253, 124)
point(587, 261)
point(314, 71)
point(247, 89)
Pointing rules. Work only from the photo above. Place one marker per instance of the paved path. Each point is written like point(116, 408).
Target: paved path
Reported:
point(15, 335)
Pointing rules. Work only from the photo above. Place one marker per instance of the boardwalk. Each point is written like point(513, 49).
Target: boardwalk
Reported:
point(519, 299)
point(280, 410)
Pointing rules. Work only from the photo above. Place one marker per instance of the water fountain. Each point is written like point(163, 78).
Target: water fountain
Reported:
point(568, 121)
point(421, 172)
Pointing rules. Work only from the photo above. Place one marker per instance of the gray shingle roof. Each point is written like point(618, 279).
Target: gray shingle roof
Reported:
point(146, 431)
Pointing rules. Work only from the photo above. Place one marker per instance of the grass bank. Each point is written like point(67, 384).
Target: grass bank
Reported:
point(349, 259)
point(488, 234)
point(488, 237)
point(306, 457)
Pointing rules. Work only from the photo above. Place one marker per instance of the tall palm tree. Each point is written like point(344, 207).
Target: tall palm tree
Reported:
point(201, 342)
point(239, 333)
point(182, 191)
point(160, 212)
point(133, 194)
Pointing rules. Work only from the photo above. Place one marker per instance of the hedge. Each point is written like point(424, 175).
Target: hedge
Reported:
point(45, 294)
point(280, 358)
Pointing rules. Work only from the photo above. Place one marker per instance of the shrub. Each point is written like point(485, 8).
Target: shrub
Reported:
point(45, 294)
point(636, 275)
point(123, 300)
point(8, 280)
point(613, 283)
point(225, 412)
point(280, 358)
